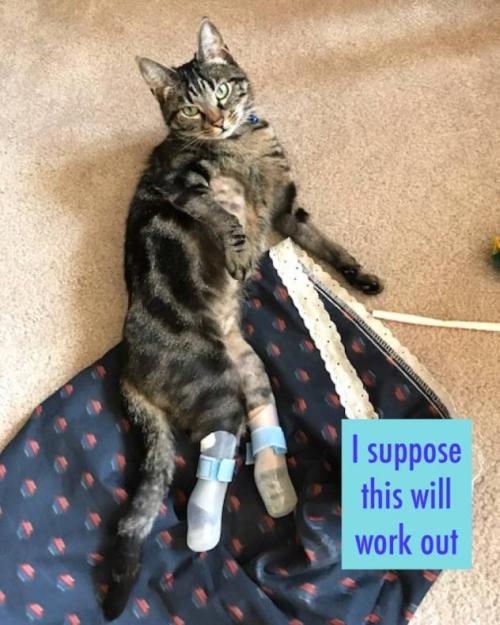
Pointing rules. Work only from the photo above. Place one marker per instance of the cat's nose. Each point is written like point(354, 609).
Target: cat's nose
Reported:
point(219, 123)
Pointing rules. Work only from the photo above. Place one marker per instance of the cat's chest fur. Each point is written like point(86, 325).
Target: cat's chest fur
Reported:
point(230, 194)
point(248, 172)
point(243, 185)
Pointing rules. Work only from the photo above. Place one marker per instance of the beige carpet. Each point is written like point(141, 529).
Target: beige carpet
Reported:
point(391, 115)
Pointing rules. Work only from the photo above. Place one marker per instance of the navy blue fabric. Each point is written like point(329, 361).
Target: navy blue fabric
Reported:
point(67, 474)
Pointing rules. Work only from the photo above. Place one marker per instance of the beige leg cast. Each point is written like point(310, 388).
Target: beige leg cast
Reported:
point(271, 471)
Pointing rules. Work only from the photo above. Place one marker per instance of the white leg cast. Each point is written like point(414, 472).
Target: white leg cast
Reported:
point(215, 471)
point(271, 471)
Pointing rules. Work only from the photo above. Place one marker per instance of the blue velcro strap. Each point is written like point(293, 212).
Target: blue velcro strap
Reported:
point(264, 437)
point(215, 469)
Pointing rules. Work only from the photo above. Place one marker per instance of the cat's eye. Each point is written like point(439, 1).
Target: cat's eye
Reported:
point(222, 91)
point(190, 111)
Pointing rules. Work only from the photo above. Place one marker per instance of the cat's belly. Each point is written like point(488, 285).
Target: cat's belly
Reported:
point(226, 309)
point(230, 194)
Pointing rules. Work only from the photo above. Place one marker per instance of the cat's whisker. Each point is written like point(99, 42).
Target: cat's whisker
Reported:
point(194, 141)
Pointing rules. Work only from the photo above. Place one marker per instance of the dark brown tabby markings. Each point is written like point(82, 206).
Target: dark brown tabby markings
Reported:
point(198, 224)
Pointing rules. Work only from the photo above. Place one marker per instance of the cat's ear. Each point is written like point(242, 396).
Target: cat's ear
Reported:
point(211, 46)
point(159, 79)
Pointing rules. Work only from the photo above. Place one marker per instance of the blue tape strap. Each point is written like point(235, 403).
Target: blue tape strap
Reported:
point(215, 469)
point(264, 437)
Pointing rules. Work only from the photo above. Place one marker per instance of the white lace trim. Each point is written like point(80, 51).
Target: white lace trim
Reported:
point(323, 331)
point(299, 273)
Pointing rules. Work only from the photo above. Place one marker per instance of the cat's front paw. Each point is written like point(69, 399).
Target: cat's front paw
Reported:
point(238, 257)
point(239, 263)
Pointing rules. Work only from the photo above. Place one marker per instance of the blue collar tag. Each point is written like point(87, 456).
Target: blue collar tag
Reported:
point(253, 119)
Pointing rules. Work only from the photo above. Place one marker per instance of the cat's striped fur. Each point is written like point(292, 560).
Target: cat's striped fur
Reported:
point(198, 224)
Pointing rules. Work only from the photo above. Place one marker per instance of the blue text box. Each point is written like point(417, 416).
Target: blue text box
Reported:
point(406, 494)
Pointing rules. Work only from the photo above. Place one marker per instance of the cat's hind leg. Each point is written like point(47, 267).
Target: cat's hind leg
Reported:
point(215, 471)
point(156, 476)
point(297, 225)
point(217, 428)
point(268, 440)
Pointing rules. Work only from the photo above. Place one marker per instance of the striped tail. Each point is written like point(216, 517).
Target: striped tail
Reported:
point(135, 526)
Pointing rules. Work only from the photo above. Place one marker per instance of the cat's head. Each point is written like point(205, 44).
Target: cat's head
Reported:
point(208, 98)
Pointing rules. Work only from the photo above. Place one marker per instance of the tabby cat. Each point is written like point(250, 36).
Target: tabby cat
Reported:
point(197, 226)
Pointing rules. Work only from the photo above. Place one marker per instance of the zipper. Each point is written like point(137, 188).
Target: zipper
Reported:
point(384, 347)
